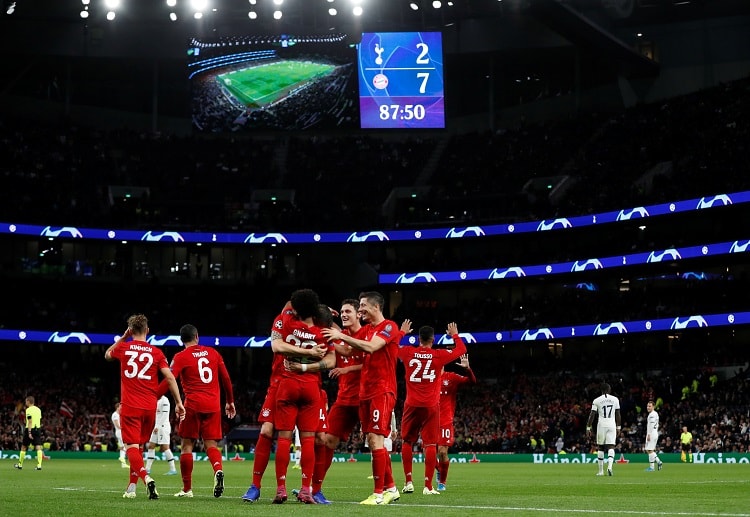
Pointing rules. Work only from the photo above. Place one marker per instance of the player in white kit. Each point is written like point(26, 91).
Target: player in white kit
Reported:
point(161, 436)
point(652, 437)
point(118, 435)
point(605, 410)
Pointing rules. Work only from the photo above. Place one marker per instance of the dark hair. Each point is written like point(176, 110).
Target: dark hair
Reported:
point(138, 323)
point(374, 298)
point(606, 389)
point(305, 303)
point(426, 334)
point(351, 301)
point(324, 317)
point(188, 333)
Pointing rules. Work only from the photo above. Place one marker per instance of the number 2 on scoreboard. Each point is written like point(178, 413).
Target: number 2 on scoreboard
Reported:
point(423, 60)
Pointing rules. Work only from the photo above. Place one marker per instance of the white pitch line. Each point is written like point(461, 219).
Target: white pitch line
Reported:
point(497, 508)
point(560, 510)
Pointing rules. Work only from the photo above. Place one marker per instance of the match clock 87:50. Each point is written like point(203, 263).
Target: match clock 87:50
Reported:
point(401, 80)
point(402, 112)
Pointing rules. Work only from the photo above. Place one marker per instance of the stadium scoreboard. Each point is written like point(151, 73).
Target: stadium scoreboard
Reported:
point(401, 80)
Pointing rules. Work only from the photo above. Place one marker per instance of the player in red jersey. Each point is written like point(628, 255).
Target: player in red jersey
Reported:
point(268, 410)
point(266, 418)
point(140, 364)
point(377, 393)
point(344, 414)
point(298, 397)
point(423, 366)
point(449, 384)
point(204, 376)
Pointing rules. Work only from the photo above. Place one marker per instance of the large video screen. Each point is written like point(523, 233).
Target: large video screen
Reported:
point(282, 82)
point(401, 80)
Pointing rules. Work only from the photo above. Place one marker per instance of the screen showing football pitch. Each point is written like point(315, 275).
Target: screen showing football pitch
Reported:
point(282, 82)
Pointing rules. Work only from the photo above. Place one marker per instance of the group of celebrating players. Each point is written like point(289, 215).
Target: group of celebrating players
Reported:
point(361, 354)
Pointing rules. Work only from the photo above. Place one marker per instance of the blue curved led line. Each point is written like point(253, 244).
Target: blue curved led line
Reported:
point(590, 264)
point(463, 232)
point(690, 322)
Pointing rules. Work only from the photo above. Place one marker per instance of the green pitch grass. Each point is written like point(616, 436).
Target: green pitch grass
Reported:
point(95, 487)
point(263, 85)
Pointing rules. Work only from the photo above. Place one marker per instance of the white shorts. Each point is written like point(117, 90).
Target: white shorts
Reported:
point(606, 436)
point(650, 445)
point(118, 435)
point(162, 435)
point(387, 443)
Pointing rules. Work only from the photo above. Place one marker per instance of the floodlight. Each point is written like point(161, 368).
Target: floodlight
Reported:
point(112, 4)
point(414, 6)
point(84, 14)
point(437, 4)
point(332, 11)
point(277, 15)
point(111, 15)
point(173, 17)
point(252, 15)
point(171, 3)
point(357, 11)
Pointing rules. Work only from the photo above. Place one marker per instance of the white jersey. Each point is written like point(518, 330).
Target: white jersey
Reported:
point(163, 427)
point(117, 427)
point(162, 411)
point(605, 406)
point(652, 431)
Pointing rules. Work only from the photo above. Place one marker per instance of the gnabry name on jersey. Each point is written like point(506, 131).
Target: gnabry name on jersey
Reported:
point(303, 334)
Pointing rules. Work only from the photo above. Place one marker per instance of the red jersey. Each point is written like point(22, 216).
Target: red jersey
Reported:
point(348, 393)
point(277, 366)
point(449, 384)
point(379, 367)
point(296, 332)
point(423, 366)
point(203, 375)
point(140, 363)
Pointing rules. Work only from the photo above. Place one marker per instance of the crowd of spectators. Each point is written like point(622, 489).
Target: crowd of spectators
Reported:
point(342, 182)
point(204, 183)
point(520, 413)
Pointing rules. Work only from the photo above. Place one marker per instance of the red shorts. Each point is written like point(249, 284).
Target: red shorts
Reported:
point(446, 435)
point(200, 425)
point(375, 414)
point(418, 419)
point(137, 424)
point(341, 420)
point(323, 413)
point(269, 404)
point(297, 403)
